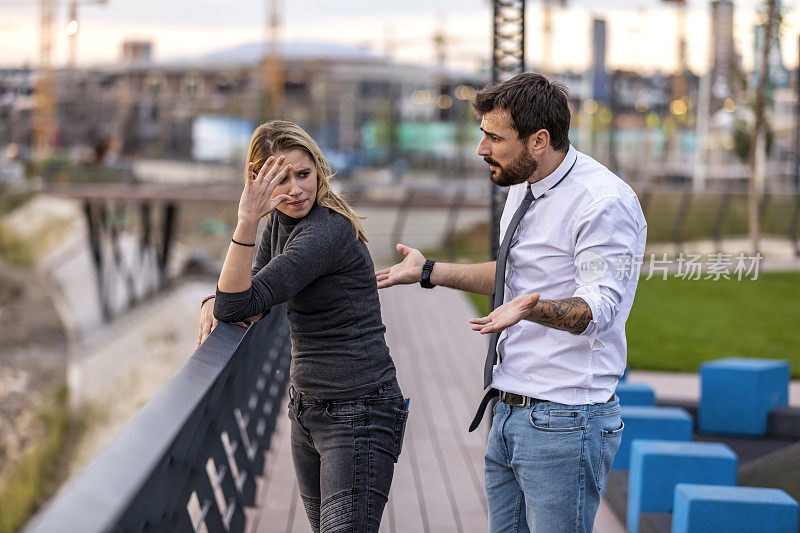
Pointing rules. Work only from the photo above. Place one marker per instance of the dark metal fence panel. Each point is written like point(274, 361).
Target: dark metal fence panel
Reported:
point(191, 456)
point(793, 226)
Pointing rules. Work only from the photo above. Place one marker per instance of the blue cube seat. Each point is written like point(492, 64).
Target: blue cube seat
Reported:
point(657, 466)
point(715, 509)
point(649, 422)
point(635, 394)
point(737, 394)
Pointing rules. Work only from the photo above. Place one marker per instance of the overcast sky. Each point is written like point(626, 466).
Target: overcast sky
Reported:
point(641, 34)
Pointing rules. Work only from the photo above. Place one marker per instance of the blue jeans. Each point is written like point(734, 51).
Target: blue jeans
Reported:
point(546, 465)
point(344, 453)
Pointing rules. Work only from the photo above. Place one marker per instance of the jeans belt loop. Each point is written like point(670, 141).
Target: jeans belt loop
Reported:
point(297, 398)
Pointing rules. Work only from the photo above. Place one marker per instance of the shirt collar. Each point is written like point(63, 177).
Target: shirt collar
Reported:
point(545, 184)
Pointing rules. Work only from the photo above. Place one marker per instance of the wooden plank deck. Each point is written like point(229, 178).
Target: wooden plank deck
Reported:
point(438, 481)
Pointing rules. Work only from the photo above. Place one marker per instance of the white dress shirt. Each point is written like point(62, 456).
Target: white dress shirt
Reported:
point(578, 239)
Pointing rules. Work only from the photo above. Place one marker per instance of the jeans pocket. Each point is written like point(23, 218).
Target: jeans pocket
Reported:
point(610, 440)
point(399, 430)
point(557, 422)
point(345, 411)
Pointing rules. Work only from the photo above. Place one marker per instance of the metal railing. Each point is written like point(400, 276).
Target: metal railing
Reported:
point(189, 460)
point(680, 216)
point(674, 214)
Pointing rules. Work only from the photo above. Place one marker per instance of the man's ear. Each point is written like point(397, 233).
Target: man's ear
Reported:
point(538, 142)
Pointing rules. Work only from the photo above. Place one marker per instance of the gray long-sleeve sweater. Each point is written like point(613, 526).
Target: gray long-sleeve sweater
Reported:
point(325, 275)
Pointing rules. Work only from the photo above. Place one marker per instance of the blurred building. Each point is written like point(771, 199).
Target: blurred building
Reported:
point(365, 109)
point(151, 109)
point(137, 52)
point(16, 106)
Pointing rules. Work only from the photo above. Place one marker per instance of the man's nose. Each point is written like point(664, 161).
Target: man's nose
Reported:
point(483, 148)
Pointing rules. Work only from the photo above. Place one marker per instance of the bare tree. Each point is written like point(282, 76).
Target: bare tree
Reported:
point(758, 145)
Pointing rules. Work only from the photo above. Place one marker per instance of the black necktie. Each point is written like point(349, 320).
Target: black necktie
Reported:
point(500, 281)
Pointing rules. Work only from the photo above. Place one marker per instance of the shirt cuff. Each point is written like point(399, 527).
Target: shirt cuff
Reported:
point(590, 332)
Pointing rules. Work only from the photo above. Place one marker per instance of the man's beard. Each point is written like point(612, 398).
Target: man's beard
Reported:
point(518, 171)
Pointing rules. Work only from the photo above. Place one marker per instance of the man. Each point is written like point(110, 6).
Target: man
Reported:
point(572, 234)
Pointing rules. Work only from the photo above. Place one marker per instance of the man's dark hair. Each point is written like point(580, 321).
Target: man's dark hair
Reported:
point(534, 103)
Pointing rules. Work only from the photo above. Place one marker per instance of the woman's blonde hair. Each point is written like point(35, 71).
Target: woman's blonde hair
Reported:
point(278, 136)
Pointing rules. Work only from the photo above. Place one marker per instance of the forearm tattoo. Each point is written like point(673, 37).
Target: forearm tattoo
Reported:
point(570, 314)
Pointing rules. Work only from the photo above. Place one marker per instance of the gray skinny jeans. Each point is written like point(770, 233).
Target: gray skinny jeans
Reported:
point(344, 452)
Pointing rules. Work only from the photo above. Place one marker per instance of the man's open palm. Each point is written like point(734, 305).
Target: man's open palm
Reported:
point(506, 315)
point(403, 273)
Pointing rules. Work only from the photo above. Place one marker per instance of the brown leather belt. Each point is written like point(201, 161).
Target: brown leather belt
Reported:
point(517, 400)
point(509, 398)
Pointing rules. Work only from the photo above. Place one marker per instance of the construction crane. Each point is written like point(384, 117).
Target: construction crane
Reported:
point(272, 66)
point(44, 116)
point(45, 124)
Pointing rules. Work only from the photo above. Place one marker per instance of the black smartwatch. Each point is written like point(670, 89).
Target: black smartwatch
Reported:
point(427, 268)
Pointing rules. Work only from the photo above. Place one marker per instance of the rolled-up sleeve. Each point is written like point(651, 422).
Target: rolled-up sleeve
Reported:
point(607, 237)
point(236, 306)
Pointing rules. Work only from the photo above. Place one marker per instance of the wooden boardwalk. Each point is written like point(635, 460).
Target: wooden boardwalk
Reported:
point(438, 481)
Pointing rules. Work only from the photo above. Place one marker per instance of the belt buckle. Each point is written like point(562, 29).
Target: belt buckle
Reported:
point(514, 400)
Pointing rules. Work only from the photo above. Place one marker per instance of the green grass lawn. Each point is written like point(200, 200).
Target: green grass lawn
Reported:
point(677, 324)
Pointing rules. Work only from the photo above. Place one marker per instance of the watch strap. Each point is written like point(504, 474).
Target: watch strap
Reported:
point(427, 268)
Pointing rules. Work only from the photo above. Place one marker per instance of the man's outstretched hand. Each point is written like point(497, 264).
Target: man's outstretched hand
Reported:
point(406, 272)
point(506, 315)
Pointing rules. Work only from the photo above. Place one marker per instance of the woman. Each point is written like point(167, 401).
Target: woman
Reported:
point(346, 409)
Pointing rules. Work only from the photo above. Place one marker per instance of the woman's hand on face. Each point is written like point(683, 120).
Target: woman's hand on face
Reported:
point(256, 200)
